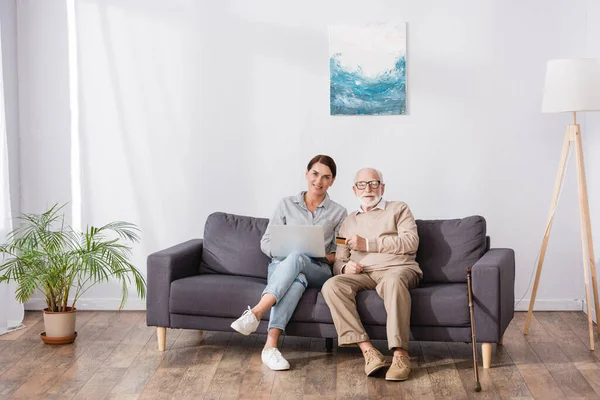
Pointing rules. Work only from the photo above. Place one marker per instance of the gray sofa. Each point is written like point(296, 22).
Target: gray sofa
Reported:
point(207, 283)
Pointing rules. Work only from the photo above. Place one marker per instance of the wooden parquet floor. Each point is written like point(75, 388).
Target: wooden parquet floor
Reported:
point(115, 357)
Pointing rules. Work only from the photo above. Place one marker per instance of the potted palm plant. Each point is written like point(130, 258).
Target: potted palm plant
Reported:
point(44, 254)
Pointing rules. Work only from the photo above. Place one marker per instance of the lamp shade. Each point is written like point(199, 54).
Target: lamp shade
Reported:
point(572, 85)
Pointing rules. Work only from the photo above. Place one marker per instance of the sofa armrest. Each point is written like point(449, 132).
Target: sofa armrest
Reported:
point(493, 293)
point(164, 267)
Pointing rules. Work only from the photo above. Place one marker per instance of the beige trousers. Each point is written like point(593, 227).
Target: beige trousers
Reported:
point(392, 286)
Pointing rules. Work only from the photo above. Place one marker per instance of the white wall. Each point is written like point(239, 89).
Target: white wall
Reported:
point(8, 24)
point(188, 108)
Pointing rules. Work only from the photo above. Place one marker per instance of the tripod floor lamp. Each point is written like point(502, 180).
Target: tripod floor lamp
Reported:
point(572, 85)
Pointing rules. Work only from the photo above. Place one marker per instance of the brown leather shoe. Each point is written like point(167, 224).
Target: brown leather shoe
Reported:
point(400, 369)
point(374, 361)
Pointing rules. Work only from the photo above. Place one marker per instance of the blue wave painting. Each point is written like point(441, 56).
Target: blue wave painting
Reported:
point(367, 65)
point(352, 93)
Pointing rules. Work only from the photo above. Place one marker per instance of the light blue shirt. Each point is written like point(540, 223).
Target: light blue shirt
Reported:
point(292, 210)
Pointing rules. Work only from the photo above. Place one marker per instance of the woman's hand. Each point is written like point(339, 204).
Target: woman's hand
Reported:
point(330, 258)
point(353, 268)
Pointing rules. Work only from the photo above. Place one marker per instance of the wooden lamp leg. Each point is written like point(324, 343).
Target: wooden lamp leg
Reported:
point(586, 235)
point(557, 185)
point(590, 243)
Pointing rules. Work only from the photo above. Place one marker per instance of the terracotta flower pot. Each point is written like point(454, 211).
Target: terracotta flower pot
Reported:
point(60, 325)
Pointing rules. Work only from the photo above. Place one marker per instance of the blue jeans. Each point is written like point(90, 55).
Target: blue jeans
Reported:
point(287, 280)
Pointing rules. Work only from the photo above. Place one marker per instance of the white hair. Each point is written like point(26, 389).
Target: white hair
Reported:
point(378, 172)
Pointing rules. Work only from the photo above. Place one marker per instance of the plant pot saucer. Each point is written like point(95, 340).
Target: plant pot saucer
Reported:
point(58, 340)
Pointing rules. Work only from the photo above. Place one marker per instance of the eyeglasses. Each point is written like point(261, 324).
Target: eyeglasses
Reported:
point(362, 185)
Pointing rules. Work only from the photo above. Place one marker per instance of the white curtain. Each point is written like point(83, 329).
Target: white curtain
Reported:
point(11, 312)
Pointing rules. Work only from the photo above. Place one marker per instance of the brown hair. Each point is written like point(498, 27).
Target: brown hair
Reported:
point(323, 159)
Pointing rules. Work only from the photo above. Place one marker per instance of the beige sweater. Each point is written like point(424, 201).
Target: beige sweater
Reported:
point(392, 239)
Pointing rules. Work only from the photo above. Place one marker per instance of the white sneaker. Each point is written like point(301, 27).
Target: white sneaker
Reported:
point(247, 323)
point(273, 359)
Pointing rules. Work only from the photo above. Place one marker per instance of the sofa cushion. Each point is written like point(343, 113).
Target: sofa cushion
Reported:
point(228, 296)
point(213, 295)
point(431, 305)
point(232, 246)
point(447, 247)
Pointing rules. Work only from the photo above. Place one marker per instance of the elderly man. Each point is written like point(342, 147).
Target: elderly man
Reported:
point(379, 253)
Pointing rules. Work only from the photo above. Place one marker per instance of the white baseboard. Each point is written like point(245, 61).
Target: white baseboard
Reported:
point(92, 304)
point(550, 305)
point(593, 311)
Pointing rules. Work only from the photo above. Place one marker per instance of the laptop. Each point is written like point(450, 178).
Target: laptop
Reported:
point(305, 239)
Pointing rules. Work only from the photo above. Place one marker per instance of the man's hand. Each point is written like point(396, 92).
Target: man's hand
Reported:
point(356, 242)
point(330, 258)
point(353, 268)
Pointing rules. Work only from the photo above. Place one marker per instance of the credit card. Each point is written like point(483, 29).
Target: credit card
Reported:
point(340, 240)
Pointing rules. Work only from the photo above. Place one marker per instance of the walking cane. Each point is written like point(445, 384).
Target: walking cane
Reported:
point(472, 315)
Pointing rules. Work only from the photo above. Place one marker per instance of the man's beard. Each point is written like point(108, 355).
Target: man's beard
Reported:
point(368, 203)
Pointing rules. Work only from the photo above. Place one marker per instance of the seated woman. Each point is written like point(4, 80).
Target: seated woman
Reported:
point(289, 277)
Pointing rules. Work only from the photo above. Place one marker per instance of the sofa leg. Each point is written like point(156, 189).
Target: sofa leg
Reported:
point(486, 354)
point(329, 344)
point(500, 343)
point(161, 334)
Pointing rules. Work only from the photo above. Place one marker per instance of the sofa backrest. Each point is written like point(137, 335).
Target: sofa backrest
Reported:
point(448, 247)
point(232, 245)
